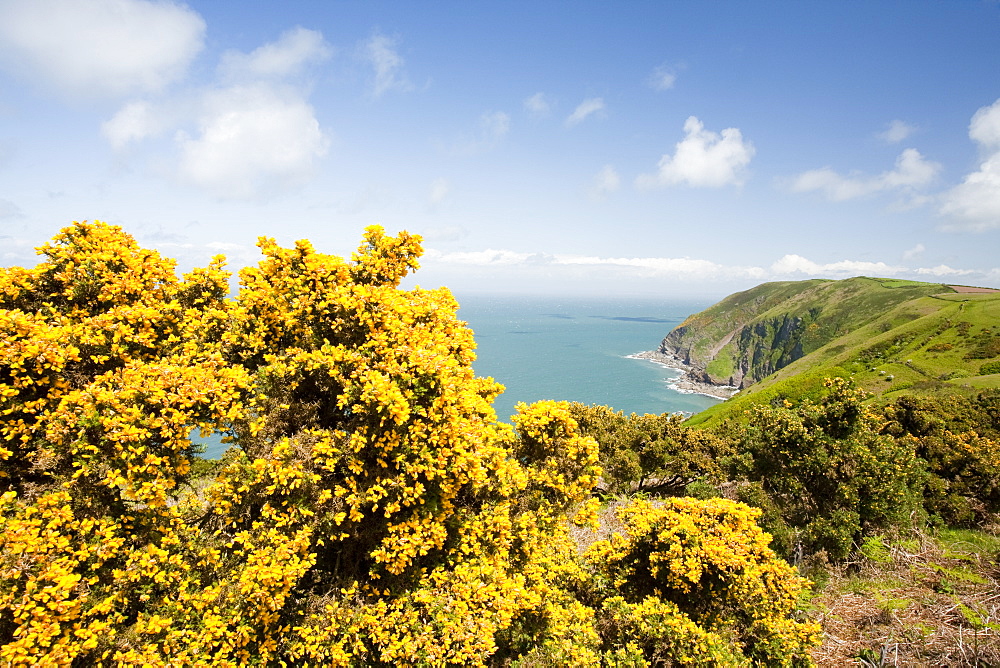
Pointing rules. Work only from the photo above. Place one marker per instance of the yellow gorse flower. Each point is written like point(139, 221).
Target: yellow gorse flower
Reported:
point(372, 509)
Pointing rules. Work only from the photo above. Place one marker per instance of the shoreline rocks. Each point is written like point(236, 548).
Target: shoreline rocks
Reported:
point(689, 382)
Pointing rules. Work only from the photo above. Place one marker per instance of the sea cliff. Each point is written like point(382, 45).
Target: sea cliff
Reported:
point(752, 334)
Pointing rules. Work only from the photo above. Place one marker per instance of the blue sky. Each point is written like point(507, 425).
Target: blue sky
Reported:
point(672, 148)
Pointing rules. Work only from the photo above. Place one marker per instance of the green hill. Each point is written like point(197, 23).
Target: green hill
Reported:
point(782, 339)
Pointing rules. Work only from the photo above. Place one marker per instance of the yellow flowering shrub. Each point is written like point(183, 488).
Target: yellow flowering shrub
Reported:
point(372, 511)
point(693, 582)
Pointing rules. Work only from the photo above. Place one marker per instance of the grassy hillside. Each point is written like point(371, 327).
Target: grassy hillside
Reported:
point(893, 337)
point(752, 334)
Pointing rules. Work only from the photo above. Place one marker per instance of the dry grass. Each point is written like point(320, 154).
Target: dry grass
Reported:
point(608, 524)
point(925, 604)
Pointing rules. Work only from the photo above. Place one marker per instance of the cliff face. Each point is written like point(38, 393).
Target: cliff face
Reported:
point(752, 334)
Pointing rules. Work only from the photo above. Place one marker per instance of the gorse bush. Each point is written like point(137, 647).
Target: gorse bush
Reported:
point(958, 439)
point(695, 582)
point(829, 470)
point(652, 453)
point(826, 471)
point(372, 510)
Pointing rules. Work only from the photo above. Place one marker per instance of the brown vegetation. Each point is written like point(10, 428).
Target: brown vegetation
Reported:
point(919, 602)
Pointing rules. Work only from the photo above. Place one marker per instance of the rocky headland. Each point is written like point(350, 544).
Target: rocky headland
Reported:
point(693, 380)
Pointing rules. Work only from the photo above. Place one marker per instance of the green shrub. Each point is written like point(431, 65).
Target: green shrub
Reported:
point(828, 470)
point(874, 549)
point(700, 489)
point(653, 453)
point(989, 368)
point(958, 439)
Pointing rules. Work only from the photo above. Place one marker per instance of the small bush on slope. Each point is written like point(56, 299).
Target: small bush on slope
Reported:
point(695, 582)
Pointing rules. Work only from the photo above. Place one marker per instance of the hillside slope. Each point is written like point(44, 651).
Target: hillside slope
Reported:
point(782, 339)
point(751, 334)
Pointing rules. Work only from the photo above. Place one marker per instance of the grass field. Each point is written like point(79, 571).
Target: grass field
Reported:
point(926, 345)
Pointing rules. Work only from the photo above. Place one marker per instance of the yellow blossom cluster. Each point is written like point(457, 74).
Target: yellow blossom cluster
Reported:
point(371, 509)
point(694, 582)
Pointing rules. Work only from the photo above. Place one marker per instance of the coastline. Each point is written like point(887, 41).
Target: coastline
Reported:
point(686, 383)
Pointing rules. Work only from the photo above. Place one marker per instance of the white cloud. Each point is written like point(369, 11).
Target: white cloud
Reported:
point(944, 270)
point(703, 159)
point(683, 267)
point(584, 110)
point(692, 270)
point(984, 128)
point(687, 268)
point(292, 51)
point(974, 204)
point(914, 252)
point(796, 264)
point(897, 131)
point(133, 122)
point(911, 172)
point(835, 186)
point(662, 78)
point(606, 182)
point(494, 125)
point(486, 257)
point(252, 140)
point(380, 52)
point(225, 246)
point(246, 138)
point(99, 48)
point(537, 105)
point(438, 191)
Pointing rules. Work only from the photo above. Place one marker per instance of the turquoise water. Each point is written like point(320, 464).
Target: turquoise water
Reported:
point(572, 349)
point(577, 349)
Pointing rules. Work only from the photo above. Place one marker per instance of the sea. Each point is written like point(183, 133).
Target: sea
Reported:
point(572, 349)
point(579, 349)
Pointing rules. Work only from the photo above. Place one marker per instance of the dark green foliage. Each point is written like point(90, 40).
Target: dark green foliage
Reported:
point(990, 367)
point(828, 470)
point(923, 416)
point(653, 453)
point(959, 441)
point(987, 345)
